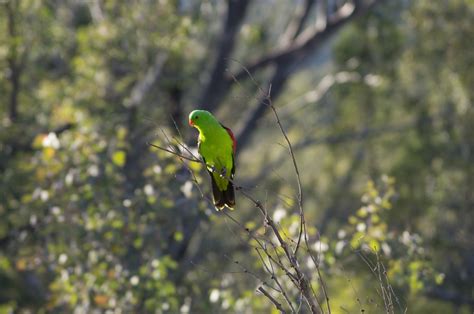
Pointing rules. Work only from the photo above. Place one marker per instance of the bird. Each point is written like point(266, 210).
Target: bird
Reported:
point(216, 146)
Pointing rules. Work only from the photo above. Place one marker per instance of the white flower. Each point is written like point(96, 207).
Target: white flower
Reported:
point(187, 189)
point(51, 140)
point(321, 246)
point(62, 258)
point(134, 280)
point(155, 263)
point(341, 234)
point(44, 195)
point(406, 238)
point(386, 249)
point(157, 169)
point(214, 296)
point(360, 227)
point(225, 304)
point(93, 171)
point(184, 308)
point(310, 263)
point(149, 190)
point(69, 179)
point(340, 246)
point(373, 80)
point(279, 214)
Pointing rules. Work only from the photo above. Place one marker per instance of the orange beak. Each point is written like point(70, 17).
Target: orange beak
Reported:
point(191, 123)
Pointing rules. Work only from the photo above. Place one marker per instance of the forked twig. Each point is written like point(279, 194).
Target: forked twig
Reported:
point(193, 159)
point(272, 299)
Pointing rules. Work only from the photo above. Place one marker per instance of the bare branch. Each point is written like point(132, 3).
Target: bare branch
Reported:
point(272, 299)
point(175, 153)
point(275, 278)
point(246, 271)
point(297, 172)
point(303, 284)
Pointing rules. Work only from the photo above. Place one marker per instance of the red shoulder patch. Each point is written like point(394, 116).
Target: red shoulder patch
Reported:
point(234, 142)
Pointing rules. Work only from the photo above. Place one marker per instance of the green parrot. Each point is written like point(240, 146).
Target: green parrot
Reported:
point(216, 145)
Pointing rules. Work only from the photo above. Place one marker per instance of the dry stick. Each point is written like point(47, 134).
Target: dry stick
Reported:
point(256, 236)
point(372, 267)
point(246, 271)
point(174, 153)
point(262, 246)
point(264, 249)
point(385, 297)
point(316, 263)
point(303, 284)
point(318, 269)
point(180, 145)
point(385, 287)
point(275, 278)
point(182, 158)
point(297, 172)
point(300, 205)
point(279, 263)
point(390, 288)
point(272, 299)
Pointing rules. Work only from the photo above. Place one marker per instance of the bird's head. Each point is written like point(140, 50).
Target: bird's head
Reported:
point(199, 118)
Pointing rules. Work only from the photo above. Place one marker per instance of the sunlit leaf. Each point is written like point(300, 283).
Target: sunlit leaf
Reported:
point(118, 158)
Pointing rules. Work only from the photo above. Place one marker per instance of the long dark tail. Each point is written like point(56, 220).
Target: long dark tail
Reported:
point(223, 198)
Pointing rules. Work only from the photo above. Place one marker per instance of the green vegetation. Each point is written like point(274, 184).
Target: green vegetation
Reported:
point(379, 110)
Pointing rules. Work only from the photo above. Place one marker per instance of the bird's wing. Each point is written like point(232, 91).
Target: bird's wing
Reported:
point(234, 142)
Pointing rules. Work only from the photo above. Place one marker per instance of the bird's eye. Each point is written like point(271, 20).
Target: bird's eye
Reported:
point(197, 117)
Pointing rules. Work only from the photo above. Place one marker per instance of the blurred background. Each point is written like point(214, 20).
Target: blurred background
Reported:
point(376, 98)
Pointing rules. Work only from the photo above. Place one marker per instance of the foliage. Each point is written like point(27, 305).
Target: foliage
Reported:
point(94, 219)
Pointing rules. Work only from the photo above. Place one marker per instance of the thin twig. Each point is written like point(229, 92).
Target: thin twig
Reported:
point(275, 278)
point(174, 153)
point(297, 172)
point(246, 271)
point(272, 299)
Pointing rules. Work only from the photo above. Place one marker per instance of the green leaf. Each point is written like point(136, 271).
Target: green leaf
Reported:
point(178, 236)
point(119, 158)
